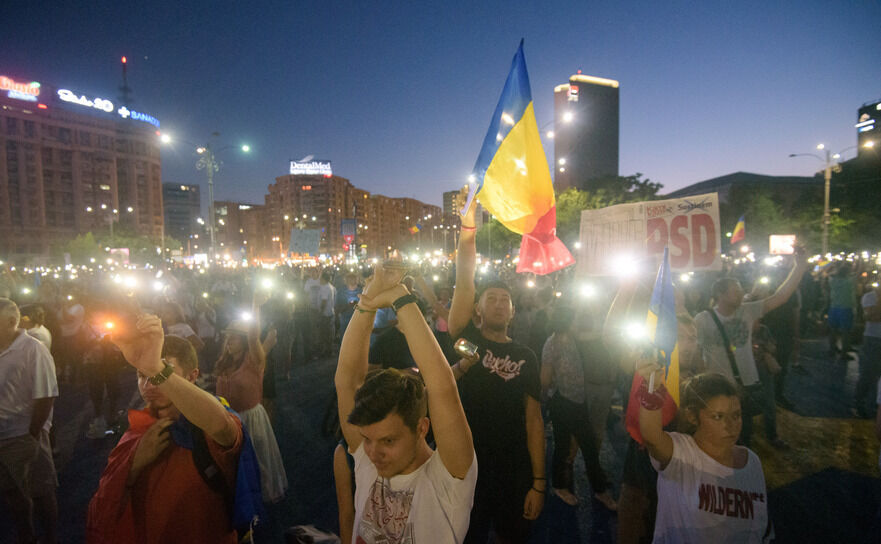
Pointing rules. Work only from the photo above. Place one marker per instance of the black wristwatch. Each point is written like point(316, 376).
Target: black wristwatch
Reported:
point(403, 301)
point(163, 375)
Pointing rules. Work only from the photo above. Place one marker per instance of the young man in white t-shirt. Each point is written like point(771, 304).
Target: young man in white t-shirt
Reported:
point(738, 319)
point(405, 492)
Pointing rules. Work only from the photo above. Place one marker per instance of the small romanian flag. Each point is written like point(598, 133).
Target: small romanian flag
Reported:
point(415, 228)
point(739, 231)
point(663, 332)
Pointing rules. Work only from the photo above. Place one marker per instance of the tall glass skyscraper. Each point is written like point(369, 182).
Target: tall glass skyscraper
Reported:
point(585, 131)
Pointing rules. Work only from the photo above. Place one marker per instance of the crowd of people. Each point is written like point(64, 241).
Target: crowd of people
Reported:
point(445, 375)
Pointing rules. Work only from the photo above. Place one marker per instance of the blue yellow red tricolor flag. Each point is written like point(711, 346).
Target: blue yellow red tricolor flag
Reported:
point(662, 329)
point(415, 228)
point(512, 180)
point(739, 231)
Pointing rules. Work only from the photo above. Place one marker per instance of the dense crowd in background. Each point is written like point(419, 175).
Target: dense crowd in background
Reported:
point(239, 333)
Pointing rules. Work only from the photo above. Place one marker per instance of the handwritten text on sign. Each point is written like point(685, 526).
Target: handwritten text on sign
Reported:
point(689, 226)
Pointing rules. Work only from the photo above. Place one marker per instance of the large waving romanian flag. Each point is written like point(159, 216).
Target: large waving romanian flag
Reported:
point(663, 332)
point(512, 180)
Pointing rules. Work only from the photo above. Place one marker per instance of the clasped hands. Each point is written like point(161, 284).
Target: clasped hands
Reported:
point(383, 288)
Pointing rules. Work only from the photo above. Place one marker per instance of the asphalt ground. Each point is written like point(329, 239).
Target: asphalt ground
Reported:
point(824, 488)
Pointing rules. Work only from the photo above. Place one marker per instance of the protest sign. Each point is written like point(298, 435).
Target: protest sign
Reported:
point(305, 241)
point(641, 230)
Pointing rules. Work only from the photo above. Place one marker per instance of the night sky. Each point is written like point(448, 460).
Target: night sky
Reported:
point(399, 97)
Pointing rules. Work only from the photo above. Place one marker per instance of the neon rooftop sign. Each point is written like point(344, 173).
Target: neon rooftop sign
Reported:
point(105, 105)
point(20, 91)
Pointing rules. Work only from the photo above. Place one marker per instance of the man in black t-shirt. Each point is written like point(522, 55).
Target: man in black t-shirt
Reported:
point(500, 391)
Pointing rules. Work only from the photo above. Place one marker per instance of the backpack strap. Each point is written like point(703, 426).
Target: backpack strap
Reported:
point(728, 349)
point(208, 469)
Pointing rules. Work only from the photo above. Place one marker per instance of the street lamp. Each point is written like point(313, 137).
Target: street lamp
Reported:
point(830, 160)
point(208, 161)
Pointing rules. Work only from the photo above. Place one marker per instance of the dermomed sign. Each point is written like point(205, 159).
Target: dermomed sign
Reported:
point(311, 168)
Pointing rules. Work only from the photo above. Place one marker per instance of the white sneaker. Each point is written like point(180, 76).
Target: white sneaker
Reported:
point(97, 428)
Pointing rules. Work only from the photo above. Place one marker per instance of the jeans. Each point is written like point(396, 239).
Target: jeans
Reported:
point(572, 419)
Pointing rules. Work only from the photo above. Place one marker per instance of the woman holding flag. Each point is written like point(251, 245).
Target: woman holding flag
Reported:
point(669, 328)
point(709, 488)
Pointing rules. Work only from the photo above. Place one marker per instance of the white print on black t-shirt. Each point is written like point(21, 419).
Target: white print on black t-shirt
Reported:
point(385, 516)
point(505, 368)
point(727, 501)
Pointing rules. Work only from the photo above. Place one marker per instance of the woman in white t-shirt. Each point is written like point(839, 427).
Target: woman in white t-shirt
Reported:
point(709, 488)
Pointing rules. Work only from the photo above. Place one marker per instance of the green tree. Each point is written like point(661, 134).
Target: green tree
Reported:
point(496, 240)
point(607, 191)
point(82, 248)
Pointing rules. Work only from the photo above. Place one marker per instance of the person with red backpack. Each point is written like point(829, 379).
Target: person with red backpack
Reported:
point(172, 475)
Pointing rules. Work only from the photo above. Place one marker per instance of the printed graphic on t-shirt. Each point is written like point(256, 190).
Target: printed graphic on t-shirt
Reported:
point(505, 368)
point(728, 501)
point(385, 516)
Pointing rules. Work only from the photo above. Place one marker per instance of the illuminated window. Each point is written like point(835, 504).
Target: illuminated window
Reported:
point(104, 187)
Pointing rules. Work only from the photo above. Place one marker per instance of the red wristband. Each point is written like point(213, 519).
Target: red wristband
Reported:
point(651, 401)
point(469, 228)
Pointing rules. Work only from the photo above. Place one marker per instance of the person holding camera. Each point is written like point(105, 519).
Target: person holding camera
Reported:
point(152, 490)
point(239, 372)
point(405, 491)
point(501, 393)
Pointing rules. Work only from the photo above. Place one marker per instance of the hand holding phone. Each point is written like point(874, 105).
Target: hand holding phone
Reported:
point(465, 348)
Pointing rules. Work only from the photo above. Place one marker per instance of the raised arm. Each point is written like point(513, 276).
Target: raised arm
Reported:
point(614, 322)
point(143, 351)
point(255, 346)
point(466, 259)
point(651, 426)
point(451, 431)
point(351, 370)
point(788, 287)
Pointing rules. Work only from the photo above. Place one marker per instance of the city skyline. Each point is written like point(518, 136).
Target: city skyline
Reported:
point(399, 99)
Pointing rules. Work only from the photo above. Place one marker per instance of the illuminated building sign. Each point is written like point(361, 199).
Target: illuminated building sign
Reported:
point(311, 168)
point(105, 105)
point(866, 123)
point(20, 91)
point(97, 103)
point(573, 93)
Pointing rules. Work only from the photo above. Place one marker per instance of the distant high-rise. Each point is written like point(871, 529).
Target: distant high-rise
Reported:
point(181, 207)
point(585, 131)
point(869, 129)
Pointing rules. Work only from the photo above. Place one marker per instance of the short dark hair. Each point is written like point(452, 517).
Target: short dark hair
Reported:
point(389, 391)
point(494, 284)
point(34, 312)
point(697, 392)
point(182, 350)
point(722, 285)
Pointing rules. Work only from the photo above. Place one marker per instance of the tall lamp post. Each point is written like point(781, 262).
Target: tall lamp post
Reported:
point(830, 160)
point(208, 161)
